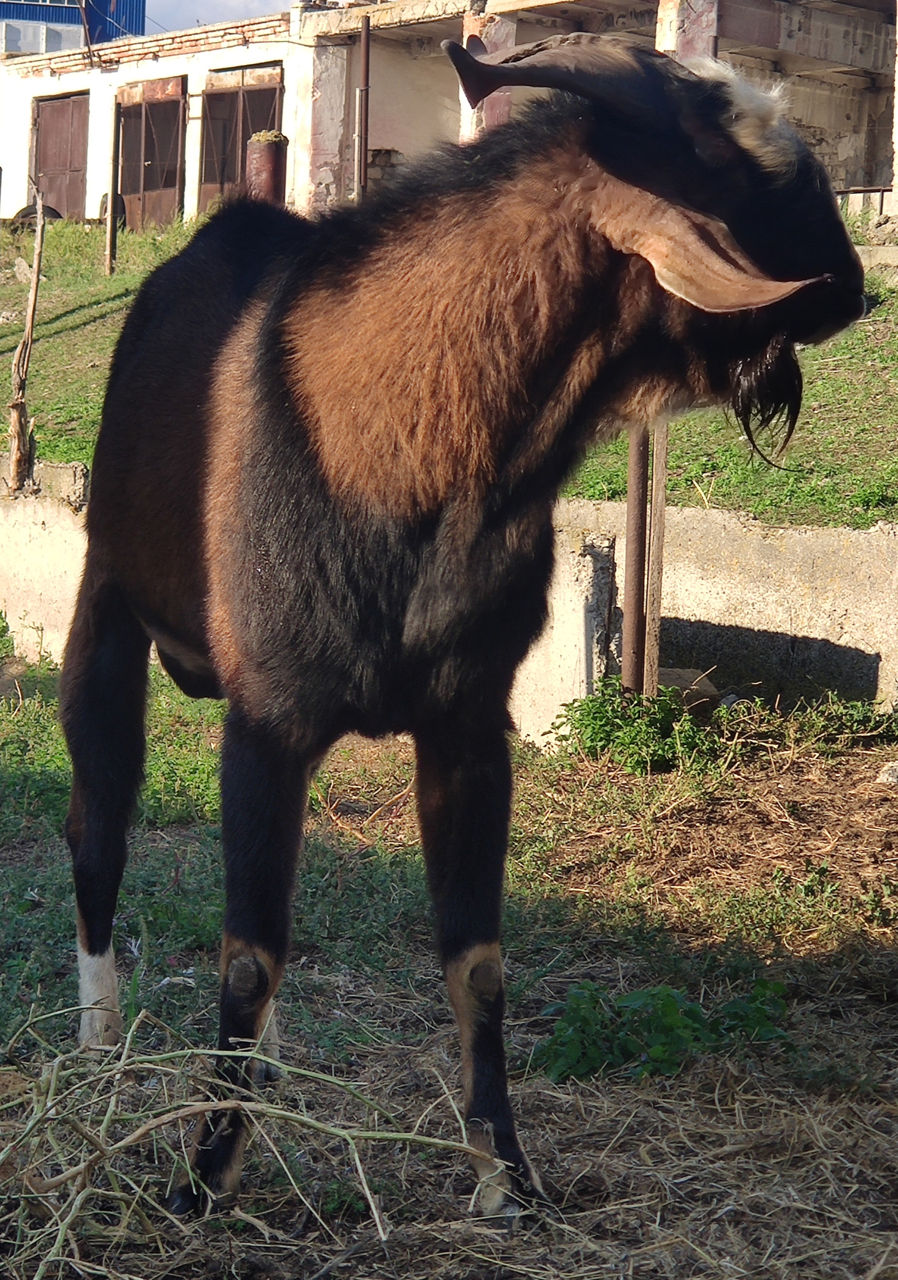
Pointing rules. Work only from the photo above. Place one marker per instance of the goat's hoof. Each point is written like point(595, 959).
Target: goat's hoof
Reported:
point(184, 1201)
point(510, 1200)
point(266, 1073)
point(191, 1199)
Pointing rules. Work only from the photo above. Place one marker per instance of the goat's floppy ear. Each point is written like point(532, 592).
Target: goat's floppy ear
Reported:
point(693, 255)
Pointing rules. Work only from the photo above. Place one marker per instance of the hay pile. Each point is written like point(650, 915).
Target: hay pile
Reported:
point(728, 1170)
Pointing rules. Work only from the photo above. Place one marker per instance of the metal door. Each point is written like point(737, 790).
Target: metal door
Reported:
point(230, 119)
point(152, 167)
point(60, 152)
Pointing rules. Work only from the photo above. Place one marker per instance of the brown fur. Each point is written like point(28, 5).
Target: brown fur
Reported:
point(473, 978)
point(234, 970)
point(406, 415)
point(409, 418)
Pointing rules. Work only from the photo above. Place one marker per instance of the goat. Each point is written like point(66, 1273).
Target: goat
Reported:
point(324, 484)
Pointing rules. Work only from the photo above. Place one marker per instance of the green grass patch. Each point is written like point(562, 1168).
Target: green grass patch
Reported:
point(35, 774)
point(653, 1031)
point(79, 316)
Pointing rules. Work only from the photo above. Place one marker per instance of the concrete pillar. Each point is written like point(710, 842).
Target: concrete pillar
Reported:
point(497, 34)
point(327, 126)
point(571, 655)
point(687, 28)
point(193, 144)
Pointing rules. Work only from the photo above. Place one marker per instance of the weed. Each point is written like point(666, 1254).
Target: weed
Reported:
point(654, 1031)
point(646, 735)
point(342, 1199)
point(878, 903)
point(6, 641)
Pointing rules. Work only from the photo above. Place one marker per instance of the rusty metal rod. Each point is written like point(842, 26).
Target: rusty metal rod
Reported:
point(656, 560)
point(633, 639)
point(362, 95)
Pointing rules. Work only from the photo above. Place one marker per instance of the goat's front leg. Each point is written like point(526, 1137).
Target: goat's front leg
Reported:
point(464, 792)
point(264, 785)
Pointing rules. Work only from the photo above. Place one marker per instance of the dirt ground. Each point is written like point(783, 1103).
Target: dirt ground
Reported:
point(764, 1164)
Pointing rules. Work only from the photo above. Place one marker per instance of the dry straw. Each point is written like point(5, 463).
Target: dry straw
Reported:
point(727, 1171)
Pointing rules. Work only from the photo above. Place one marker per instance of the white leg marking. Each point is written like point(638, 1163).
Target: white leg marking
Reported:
point(101, 1022)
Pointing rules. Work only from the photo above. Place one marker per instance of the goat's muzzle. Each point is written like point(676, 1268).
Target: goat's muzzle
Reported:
point(824, 308)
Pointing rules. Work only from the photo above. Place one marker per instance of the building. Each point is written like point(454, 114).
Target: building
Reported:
point(189, 100)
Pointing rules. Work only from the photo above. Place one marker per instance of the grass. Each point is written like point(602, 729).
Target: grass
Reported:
point(355, 897)
point(80, 313)
point(646, 735)
point(181, 768)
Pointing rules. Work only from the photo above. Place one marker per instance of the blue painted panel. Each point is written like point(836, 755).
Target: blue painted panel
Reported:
point(106, 19)
point(112, 19)
point(55, 13)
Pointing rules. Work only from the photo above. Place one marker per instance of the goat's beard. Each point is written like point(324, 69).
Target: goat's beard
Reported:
point(767, 394)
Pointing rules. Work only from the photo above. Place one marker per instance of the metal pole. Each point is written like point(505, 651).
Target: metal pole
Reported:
point(362, 95)
point(633, 639)
point(656, 561)
point(112, 195)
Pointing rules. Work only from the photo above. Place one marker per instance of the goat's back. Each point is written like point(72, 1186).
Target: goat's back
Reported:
point(145, 515)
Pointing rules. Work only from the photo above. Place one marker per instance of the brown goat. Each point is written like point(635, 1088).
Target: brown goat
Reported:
point(324, 483)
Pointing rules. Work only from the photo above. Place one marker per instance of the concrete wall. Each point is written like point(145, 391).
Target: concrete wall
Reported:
point(43, 544)
point(787, 611)
point(847, 123)
point(414, 99)
point(795, 609)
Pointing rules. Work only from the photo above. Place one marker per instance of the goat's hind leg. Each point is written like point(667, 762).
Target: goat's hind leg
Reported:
point(464, 792)
point(264, 784)
point(102, 699)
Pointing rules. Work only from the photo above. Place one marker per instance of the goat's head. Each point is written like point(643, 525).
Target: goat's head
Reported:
point(699, 173)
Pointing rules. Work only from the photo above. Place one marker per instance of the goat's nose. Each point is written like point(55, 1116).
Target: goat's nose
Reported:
point(828, 306)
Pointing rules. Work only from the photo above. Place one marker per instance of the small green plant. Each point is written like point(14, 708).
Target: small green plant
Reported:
point(342, 1199)
point(654, 1031)
point(6, 642)
point(644, 735)
point(879, 902)
point(653, 735)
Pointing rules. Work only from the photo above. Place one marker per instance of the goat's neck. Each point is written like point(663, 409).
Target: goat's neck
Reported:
point(459, 347)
